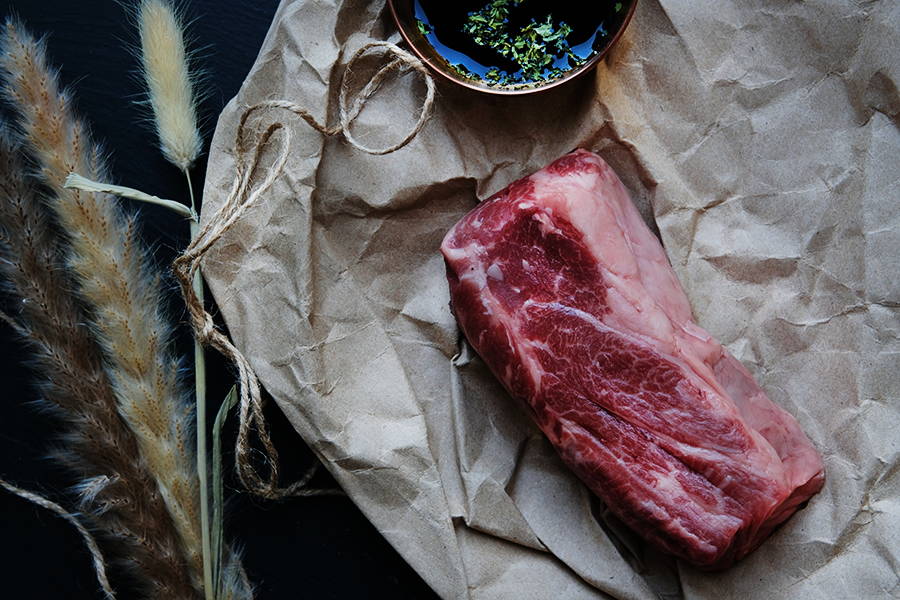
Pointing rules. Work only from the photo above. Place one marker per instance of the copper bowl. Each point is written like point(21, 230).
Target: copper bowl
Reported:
point(404, 12)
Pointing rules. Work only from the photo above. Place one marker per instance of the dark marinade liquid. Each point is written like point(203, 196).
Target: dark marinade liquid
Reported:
point(446, 20)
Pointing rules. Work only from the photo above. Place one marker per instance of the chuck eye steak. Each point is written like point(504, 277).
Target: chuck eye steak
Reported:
point(570, 300)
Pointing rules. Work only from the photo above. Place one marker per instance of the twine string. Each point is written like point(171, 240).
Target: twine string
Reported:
point(89, 541)
point(243, 195)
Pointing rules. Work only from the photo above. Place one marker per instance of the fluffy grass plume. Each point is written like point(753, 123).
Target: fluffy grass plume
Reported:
point(118, 498)
point(171, 96)
point(170, 86)
point(112, 272)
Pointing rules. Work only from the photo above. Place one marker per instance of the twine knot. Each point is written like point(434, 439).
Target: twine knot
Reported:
point(241, 197)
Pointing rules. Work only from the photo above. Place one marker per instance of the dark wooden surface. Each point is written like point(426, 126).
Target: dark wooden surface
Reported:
point(319, 547)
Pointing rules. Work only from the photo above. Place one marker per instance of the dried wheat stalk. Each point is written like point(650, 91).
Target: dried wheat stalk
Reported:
point(118, 497)
point(122, 294)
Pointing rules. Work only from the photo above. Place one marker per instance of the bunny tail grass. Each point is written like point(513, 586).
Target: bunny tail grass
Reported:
point(165, 68)
point(115, 283)
point(118, 498)
point(170, 89)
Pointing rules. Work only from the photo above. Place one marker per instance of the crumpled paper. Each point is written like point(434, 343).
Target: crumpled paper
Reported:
point(759, 139)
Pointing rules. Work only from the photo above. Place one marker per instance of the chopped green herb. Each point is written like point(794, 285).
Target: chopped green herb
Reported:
point(466, 73)
point(424, 28)
point(535, 48)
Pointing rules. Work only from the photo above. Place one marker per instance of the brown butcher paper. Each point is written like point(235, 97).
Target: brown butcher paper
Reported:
point(760, 139)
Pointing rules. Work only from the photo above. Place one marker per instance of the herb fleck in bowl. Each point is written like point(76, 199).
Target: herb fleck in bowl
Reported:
point(427, 25)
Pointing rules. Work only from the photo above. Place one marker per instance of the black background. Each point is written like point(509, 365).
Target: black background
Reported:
point(319, 547)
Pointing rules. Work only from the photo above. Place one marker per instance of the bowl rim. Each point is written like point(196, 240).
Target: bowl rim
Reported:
point(413, 39)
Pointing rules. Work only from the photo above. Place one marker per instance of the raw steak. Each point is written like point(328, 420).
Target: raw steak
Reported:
point(569, 298)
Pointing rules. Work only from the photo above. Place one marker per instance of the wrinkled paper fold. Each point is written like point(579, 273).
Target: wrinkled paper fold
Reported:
point(760, 140)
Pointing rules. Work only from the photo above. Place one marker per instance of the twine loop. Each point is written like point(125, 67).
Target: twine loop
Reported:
point(242, 196)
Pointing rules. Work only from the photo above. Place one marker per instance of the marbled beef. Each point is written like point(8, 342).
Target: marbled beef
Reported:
point(569, 298)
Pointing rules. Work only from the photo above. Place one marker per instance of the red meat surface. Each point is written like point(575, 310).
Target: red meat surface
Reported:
point(570, 300)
